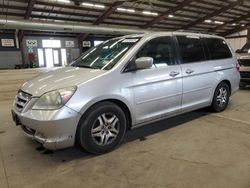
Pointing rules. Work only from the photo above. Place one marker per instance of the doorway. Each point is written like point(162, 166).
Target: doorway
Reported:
point(51, 57)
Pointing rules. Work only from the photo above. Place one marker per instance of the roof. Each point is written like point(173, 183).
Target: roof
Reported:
point(221, 17)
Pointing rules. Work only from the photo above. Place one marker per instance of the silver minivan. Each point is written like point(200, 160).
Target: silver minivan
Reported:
point(123, 83)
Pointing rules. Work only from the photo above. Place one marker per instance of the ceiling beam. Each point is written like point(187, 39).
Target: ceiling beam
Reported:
point(235, 30)
point(215, 13)
point(170, 11)
point(27, 15)
point(236, 20)
point(108, 12)
point(29, 9)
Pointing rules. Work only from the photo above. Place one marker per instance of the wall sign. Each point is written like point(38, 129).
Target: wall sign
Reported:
point(31, 43)
point(8, 42)
point(70, 43)
point(86, 44)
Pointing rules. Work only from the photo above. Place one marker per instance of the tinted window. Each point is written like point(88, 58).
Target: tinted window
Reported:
point(191, 49)
point(218, 48)
point(161, 49)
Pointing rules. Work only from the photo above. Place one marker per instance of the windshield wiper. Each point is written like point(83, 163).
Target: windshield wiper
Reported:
point(84, 66)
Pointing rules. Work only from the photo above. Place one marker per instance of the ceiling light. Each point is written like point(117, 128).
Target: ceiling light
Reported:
point(170, 15)
point(125, 10)
point(99, 6)
point(150, 13)
point(88, 4)
point(208, 21)
point(93, 5)
point(234, 24)
point(218, 22)
point(63, 1)
point(130, 10)
point(242, 25)
point(121, 9)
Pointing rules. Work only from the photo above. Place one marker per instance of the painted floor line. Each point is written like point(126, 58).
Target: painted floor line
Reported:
point(233, 119)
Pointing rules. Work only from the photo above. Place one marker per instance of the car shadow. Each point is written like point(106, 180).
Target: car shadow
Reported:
point(159, 126)
point(140, 133)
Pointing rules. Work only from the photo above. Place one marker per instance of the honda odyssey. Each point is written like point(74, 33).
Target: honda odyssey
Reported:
point(124, 83)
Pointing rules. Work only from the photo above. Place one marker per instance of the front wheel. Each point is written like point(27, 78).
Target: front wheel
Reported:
point(102, 129)
point(221, 97)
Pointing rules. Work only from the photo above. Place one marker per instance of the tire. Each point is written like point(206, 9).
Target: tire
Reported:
point(102, 129)
point(221, 97)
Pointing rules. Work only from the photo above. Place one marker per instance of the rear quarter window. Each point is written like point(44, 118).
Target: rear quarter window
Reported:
point(217, 49)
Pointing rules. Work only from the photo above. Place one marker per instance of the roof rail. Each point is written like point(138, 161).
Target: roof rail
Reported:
point(192, 31)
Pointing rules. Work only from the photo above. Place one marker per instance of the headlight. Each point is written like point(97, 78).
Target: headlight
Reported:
point(54, 100)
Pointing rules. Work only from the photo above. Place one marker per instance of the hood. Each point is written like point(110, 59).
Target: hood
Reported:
point(243, 55)
point(59, 78)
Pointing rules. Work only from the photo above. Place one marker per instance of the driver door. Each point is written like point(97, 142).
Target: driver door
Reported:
point(158, 90)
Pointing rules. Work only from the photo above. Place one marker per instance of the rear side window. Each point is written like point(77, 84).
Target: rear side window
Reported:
point(161, 49)
point(217, 48)
point(191, 49)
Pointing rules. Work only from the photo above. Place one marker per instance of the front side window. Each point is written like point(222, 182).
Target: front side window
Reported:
point(191, 49)
point(161, 49)
point(217, 48)
point(105, 55)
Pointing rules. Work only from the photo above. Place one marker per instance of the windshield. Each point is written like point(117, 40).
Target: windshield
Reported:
point(105, 55)
point(245, 48)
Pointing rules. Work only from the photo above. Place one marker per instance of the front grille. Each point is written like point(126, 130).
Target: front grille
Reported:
point(245, 74)
point(244, 62)
point(21, 100)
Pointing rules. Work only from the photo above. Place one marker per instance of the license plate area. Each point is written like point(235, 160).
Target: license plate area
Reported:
point(15, 118)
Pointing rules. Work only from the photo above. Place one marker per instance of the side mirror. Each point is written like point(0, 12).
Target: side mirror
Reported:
point(237, 51)
point(144, 62)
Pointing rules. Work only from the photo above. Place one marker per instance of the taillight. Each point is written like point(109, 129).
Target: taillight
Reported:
point(238, 66)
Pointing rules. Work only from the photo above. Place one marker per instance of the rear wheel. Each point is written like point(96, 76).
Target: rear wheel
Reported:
point(102, 129)
point(221, 97)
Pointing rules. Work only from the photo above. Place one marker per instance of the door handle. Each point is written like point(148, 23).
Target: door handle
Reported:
point(189, 71)
point(173, 73)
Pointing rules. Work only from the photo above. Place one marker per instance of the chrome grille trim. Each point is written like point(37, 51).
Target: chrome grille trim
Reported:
point(21, 100)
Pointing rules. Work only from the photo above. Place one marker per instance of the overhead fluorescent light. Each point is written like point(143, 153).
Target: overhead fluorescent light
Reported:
point(93, 5)
point(170, 15)
point(121, 9)
point(242, 25)
point(218, 22)
point(150, 13)
point(125, 10)
point(234, 24)
point(63, 1)
point(88, 4)
point(99, 6)
point(130, 10)
point(208, 21)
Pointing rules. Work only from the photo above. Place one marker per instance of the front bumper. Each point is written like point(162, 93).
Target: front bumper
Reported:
point(245, 80)
point(54, 129)
point(245, 74)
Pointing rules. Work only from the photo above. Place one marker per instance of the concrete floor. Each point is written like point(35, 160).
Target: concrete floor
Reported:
point(198, 149)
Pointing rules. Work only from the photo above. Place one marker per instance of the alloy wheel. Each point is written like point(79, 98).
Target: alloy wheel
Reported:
point(222, 97)
point(105, 129)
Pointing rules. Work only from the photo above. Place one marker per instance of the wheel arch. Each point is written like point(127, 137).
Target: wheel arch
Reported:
point(229, 85)
point(125, 108)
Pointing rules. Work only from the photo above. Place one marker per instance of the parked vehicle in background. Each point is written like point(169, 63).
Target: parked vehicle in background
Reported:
point(243, 56)
point(125, 83)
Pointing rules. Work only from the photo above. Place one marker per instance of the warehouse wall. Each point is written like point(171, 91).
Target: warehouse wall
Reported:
point(237, 40)
point(72, 52)
point(9, 56)
point(237, 43)
point(8, 59)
